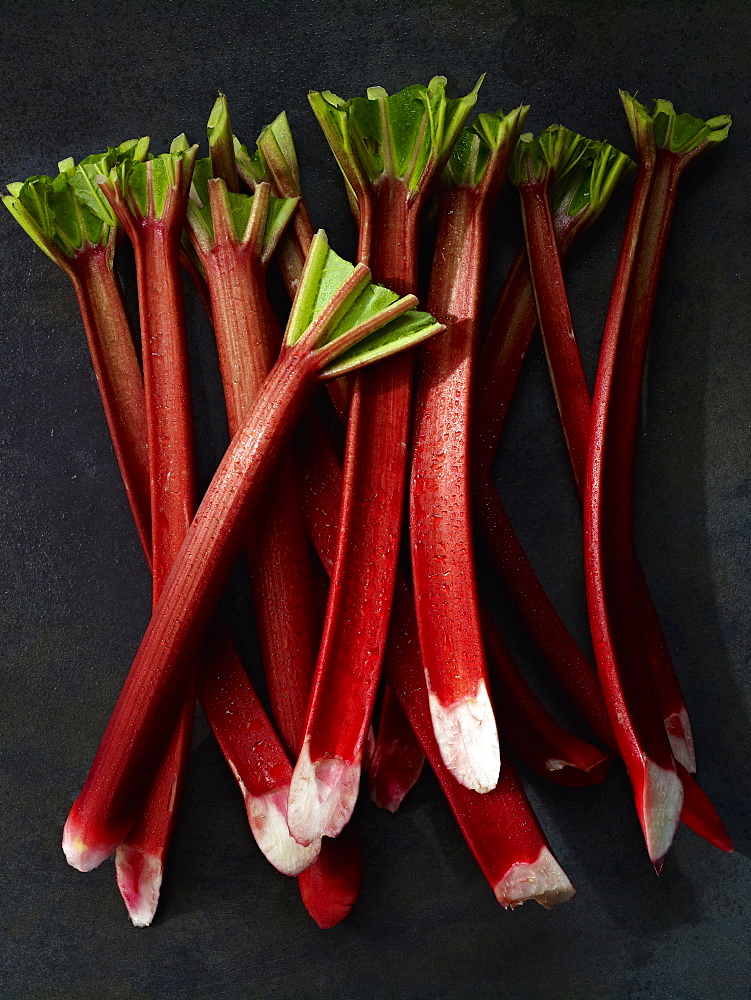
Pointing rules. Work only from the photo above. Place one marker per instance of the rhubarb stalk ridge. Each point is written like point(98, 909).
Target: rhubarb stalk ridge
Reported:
point(467, 736)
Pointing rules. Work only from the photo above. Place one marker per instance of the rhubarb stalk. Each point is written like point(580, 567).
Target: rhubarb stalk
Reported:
point(390, 150)
point(666, 144)
point(499, 827)
point(339, 322)
point(577, 203)
point(443, 569)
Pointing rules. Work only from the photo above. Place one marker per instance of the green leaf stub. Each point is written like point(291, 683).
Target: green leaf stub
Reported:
point(662, 128)
point(406, 136)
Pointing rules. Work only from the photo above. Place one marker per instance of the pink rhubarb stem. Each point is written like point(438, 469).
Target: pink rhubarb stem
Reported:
point(149, 704)
point(248, 340)
point(574, 404)
point(327, 775)
point(397, 759)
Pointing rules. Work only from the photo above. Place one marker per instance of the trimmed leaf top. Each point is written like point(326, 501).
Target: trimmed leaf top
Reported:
point(275, 159)
point(63, 215)
point(349, 320)
point(589, 187)
point(147, 188)
point(221, 143)
point(407, 136)
point(555, 152)
point(681, 134)
point(238, 212)
point(488, 134)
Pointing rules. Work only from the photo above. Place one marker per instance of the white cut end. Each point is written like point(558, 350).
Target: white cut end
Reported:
point(543, 880)
point(322, 796)
point(678, 728)
point(267, 815)
point(139, 879)
point(556, 765)
point(78, 854)
point(467, 737)
point(662, 801)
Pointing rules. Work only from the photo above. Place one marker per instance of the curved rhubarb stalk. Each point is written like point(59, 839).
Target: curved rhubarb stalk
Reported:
point(666, 144)
point(503, 352)
point(443, 567)
point(339, 322)
point(390, 149)
point(397, 760)
point(499, 826)
point(572, 392)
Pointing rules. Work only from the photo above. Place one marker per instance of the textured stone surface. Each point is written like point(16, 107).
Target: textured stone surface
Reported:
point(74, 591)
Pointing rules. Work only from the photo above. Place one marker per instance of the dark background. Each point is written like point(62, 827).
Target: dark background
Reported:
point(74, 593)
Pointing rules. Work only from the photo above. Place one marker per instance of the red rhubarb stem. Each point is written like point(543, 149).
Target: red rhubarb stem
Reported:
point(327, 775)
point(117, 373)
point(443, 567)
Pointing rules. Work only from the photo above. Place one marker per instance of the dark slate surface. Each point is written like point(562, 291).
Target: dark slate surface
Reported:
point(76, 76)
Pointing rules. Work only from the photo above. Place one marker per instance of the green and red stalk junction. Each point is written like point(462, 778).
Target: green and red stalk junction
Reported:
point(443, 568)
point(666, 144)
point(339, 322)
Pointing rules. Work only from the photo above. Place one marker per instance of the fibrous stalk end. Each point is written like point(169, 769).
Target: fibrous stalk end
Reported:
point(542, 880)
point(267, 815)
point(468, 739)
point(322, 796)
point(139, 879)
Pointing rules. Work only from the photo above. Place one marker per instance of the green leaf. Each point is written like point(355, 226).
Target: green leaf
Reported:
point(145, 186)
point(351, 321)
point(400, 334)
point(662, 128)
point(478, 142)
point(557, 151)
point(221, 149)
point(589, 188)
point(408, 135)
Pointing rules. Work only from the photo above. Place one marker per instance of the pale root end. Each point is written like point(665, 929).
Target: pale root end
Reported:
point(267, 815)
point(322, 796)
point(139, 879)
point(79, 854)
point(662, 801)
point(467, 737)
point(543, 880)
point(678, 728)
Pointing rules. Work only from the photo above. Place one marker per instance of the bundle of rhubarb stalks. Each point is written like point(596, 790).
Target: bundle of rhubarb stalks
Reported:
point(364, 409)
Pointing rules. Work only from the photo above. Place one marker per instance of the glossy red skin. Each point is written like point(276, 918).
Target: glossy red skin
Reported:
point(608, 536)
point(443, 562)
point(574, 404)
point(499, 826)
point(171, 456)
point(156, 685)
point(248, 340)
point(397, 759)
point(330, 886)
point(357, 618)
